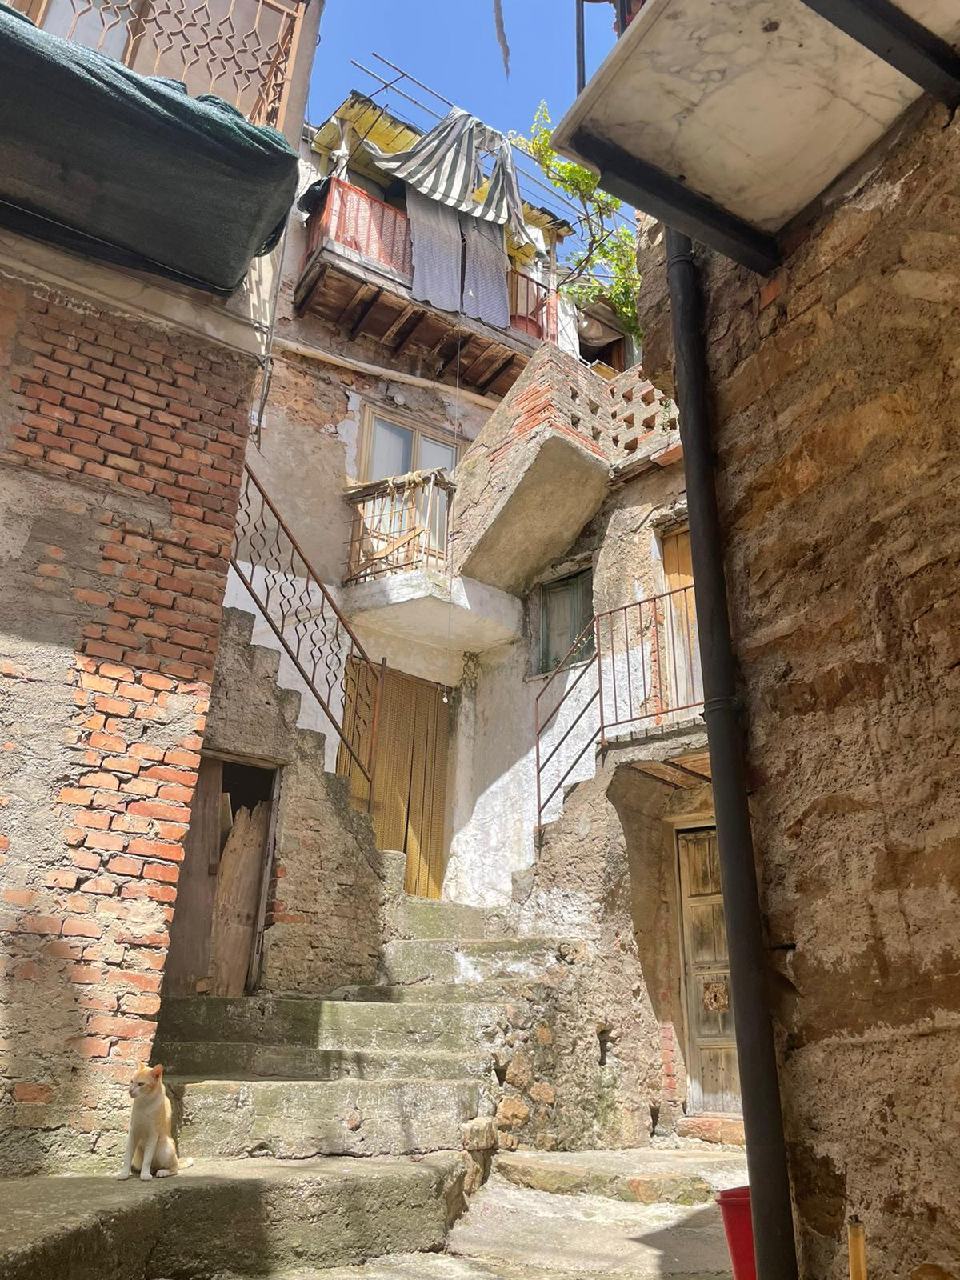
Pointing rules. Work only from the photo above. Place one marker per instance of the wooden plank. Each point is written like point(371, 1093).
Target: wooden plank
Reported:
point(235, 906)
point(365, 310)
point(256, 955)
point(188, 960)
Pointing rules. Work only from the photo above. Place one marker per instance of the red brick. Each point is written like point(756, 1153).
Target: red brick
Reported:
point(161, 851)
point(123, 866)
point(75, 927)
point(161, 871)
point(29, 1092)
point(62, 879)
point(40, 924)
point(124, 1028)
point(100, 886)
point(19, 898)
point(158, 892)
point(90, 1046)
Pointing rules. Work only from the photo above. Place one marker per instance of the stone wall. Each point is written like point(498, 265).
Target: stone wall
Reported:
point(598, 1061)
point(329, 884)
point(838, 403)
point(120, 450)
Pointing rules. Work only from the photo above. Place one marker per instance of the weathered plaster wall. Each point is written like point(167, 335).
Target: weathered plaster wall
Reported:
point(495, 798)
point(838, 402)
point(120, 449)
point(328, 885)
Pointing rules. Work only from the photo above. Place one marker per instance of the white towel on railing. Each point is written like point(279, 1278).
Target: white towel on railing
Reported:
point(437, 251)
point(485, 273)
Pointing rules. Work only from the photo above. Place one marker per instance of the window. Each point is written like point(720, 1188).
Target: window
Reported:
point(566, 606)
point(393, 449)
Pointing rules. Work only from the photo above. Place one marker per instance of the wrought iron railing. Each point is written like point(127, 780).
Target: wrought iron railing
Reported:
point(311, 630)
point(644, 672)
point(244, 51)
point(399, 524)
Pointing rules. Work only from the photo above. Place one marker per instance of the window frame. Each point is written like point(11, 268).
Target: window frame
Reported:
point(588, 648)
point(421, 431)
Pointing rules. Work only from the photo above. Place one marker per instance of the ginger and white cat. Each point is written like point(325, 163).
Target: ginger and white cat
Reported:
point(150, 1147)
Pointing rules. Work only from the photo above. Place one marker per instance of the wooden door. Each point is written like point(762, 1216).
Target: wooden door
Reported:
point(408, 806)
point(683, 686)
point(713, 1079)
point(188, 960)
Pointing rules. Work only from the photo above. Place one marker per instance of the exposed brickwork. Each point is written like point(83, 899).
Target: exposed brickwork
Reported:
point(324, 922)
point(838, 403)
point(120, 454)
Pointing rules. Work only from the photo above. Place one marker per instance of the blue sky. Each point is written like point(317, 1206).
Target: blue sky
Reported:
point(451, 46)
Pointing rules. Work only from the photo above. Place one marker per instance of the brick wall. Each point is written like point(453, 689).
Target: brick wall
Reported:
point(120, 450)
point(838, 401)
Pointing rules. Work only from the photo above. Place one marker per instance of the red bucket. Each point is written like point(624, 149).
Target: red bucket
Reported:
point(738, 1225)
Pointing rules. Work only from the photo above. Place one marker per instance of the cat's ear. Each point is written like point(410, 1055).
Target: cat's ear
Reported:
point(157, 1071)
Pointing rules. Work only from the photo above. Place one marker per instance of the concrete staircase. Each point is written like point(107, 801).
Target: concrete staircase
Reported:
point(396, 1068)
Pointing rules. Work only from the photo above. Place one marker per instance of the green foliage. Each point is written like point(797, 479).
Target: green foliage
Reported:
point(602, 266)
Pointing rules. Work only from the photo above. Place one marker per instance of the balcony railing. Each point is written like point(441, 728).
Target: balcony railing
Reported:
point(644, 673)
point(243, 51)
point(399, 524)
point(370, 231)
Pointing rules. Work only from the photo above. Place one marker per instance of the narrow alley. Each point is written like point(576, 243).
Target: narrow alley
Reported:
point(478, 664)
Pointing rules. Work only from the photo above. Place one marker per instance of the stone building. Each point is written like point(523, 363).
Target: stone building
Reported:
point(827, 205)
point(390, 832)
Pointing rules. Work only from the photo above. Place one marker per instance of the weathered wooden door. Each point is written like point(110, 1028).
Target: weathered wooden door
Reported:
point(409, 776)
point(188, 960)
point(684, 684)
point(713, 1079)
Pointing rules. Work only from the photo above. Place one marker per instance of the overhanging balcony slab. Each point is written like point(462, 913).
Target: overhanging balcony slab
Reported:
point(549, 489)
point(755, 106)
point(424, 606)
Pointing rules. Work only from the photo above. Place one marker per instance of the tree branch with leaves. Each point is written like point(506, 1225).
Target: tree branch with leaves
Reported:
point(602, 264)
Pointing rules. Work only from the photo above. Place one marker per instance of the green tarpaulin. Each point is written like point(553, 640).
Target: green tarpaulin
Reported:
point(130, 168)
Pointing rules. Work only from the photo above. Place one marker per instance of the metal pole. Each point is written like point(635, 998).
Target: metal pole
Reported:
point(762, 1118)
point(581, 49)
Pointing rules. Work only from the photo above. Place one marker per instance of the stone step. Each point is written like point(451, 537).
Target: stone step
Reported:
point(298, 1119)
point(438, 961)
point(493, 991)
point(645, 1176)
point(228, 1059)
point(245, 1218)
point(323, 1024)
point(428, 918)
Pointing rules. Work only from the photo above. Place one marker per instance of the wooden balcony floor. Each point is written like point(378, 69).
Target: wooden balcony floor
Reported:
point(371, 303)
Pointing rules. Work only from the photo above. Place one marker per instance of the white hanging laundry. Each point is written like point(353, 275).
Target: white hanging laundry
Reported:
point(485, 273)
point(437, 251)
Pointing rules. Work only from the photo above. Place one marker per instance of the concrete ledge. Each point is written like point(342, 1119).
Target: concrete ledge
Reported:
point(248, 1218)
point(461, 615)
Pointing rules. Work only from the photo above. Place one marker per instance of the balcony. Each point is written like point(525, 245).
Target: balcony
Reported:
point(398, 580)
point(358, 272)
point(242, 51)
point(398, 525)
point(642, 680)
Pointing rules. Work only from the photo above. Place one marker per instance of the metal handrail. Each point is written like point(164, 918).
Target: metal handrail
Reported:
point(309, 626)
point(667, 680)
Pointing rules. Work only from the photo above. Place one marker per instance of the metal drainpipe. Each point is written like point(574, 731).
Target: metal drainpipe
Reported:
point(762, 1118)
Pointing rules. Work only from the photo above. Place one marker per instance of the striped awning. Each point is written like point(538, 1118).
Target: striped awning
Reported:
point(444, 166)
